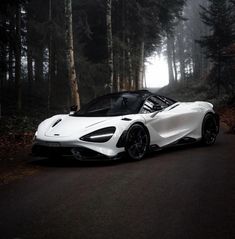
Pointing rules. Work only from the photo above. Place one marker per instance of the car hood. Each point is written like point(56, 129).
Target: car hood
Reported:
point(64, 126)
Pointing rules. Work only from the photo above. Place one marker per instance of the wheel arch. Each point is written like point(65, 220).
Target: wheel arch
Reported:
point(136, 147)
point(122, 140)
point(217, 119)
point(213, 134)
point(142, 124)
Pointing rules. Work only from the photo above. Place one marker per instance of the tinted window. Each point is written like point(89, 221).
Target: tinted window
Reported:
point(112, 105)
point(167, 100)
point(152, 104)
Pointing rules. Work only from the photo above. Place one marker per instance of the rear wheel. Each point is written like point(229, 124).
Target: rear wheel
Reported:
point(137, 142)
point(209, 130)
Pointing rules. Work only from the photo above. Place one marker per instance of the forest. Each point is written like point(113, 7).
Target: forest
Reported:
point(56, 56)
point(58, 53)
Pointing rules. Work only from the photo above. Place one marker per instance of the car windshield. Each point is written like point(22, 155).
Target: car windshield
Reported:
point(112, 105)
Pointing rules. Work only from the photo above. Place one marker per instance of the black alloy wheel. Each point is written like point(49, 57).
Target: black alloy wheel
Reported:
point(137, 142)
point(209, 130)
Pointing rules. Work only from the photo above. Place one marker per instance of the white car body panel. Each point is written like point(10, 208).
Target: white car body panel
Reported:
point(177, 121)
point(69, 131)
point(165, 127)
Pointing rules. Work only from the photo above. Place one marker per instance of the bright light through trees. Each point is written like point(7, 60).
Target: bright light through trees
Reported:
point(156, 73)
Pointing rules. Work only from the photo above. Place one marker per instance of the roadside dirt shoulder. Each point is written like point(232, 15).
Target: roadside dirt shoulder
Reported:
point(227, 118)
point(14, 159)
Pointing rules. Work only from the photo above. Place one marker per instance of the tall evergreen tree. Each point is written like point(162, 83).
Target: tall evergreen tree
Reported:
point(18, 79)
point(218, 17)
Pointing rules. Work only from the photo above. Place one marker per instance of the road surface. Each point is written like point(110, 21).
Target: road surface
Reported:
point(182, 193)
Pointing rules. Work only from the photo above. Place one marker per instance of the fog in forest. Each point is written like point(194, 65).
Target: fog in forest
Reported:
point(57, 53)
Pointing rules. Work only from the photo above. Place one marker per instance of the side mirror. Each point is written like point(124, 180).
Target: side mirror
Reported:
point(157, 107)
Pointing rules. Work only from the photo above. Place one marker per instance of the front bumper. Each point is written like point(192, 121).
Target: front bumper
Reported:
point(79, 153)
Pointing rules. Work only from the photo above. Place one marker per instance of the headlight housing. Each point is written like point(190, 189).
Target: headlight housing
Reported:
point(100, 136)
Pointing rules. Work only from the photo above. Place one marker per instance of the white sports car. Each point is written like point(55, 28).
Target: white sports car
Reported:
point(126, 122)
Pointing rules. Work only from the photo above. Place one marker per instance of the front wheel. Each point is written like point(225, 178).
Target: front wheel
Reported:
point(209, 130)
point(137, 142)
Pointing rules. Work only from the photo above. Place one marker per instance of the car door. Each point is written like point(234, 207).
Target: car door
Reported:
point(171, 123)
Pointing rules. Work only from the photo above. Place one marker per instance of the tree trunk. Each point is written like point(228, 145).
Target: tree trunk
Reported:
point(29, 65)
point(3, 74)
point(182, 68)
point(123, 55)
point(3, 66)
point(30, 72)
point(170, 61)
point(29, 51)
point(110, 42)
point(18, 82)
point(196, 61)
point(10, 64)
point(75, 99)
point(29, 58)
point(130, 66)
point(39, 66)
point(181, 48)
point(50, 58)
point(11, 52)
point(117, 62)
point(141, 70)
point(174, 62)
point(3, 58)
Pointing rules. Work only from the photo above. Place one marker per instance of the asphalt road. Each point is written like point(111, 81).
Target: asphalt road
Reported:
point(179, 193)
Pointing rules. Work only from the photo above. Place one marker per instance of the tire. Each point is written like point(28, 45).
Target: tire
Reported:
point(209, 130)
point(137, 142)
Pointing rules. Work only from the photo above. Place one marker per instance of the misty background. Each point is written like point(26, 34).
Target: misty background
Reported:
point(56, 53)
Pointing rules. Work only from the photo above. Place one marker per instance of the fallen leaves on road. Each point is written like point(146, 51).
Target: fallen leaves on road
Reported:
point(227, 117)
point(18, 172)
point(14, 155)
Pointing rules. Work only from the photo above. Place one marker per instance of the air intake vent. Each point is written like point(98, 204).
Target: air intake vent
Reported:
point(57, 122)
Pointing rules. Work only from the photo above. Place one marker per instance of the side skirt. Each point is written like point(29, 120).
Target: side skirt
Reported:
point(181, 142)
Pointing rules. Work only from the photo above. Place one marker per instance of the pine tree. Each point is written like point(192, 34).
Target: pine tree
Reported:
point(218, 17)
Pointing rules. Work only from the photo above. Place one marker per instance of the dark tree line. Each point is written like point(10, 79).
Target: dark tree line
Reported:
point(219, 17)
point(110, 41)
point(55, 53)
point(185, 56)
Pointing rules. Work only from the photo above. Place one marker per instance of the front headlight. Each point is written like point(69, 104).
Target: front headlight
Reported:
point(100, 136)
